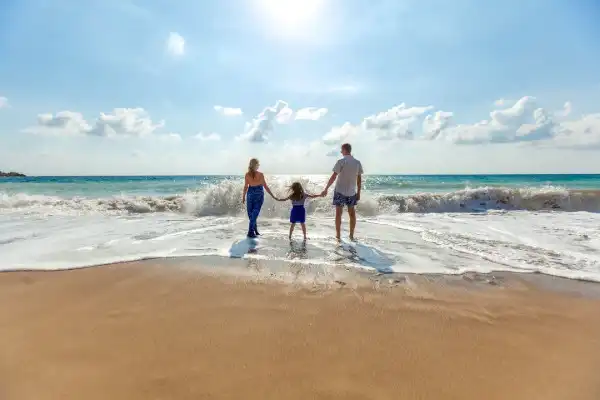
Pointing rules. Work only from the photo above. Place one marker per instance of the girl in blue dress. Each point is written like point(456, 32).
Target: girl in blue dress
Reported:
point(298, 213)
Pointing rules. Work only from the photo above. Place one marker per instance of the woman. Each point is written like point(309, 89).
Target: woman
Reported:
point(254, 182)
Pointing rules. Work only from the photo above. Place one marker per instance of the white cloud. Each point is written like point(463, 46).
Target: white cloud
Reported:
point(581, 133)
point(333, 153)
point(228, 111)
point(285, 115)
point(434, 124)
point(121, 122)
point(523, 122)
point(125, 122)
point(566, 111)
point(339, 134)
point(211, 137)
point(311, 113)
point(61, 123)
point(542, 128)
point(399, 112)
point(510, 135)
point(3, 102)
point(502, 127)
point(259, 129)
point(175, 44)
point(513, 115)
point(170, 137)
point(395, 123)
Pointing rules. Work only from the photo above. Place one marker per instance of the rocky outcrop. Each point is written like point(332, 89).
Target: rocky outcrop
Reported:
point(11, 174)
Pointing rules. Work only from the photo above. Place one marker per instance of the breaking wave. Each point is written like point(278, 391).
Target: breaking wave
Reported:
point(225, 199)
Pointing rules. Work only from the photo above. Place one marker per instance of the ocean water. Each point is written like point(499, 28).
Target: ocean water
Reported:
point(415, 224)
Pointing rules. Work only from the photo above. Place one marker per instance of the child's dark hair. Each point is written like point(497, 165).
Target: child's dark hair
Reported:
point(296, 191)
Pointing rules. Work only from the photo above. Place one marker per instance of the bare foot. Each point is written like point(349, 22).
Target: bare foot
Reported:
point(352, 239)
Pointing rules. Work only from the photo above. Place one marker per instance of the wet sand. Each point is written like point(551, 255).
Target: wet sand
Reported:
point(150, 330)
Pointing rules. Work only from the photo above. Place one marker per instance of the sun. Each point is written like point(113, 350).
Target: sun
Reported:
point(291, 17)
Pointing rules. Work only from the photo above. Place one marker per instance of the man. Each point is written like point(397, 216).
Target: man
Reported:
point(348, 172)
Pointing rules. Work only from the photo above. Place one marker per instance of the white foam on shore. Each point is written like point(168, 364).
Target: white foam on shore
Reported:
point(544, 229)
point(565, 244)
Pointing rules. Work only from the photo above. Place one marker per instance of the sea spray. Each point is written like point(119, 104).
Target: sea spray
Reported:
point(225, 198)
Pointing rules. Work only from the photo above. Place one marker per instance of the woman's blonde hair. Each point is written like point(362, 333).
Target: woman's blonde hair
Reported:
point(253, 167)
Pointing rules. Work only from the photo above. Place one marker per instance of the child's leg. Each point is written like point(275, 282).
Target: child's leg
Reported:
point(303, 226)
point(292, 229)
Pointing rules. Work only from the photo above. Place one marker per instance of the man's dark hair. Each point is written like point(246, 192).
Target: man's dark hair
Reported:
point(347, 147)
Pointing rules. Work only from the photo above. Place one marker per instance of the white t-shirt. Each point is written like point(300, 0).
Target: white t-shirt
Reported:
point(348, 169)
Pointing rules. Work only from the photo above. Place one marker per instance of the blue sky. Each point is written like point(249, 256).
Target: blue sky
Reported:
point(162, 87)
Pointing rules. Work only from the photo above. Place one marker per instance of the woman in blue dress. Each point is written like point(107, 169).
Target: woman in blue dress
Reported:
point(253, 195)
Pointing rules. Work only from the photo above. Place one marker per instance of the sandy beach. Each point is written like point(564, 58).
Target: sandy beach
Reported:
point(147, 330)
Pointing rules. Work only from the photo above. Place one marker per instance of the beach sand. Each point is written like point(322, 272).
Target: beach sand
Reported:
point(150, 330)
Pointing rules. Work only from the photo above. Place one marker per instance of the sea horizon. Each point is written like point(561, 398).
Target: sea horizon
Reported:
point(295, 174)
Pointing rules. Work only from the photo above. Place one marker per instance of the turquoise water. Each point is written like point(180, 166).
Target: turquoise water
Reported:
point(409, 223)
point(106, 186)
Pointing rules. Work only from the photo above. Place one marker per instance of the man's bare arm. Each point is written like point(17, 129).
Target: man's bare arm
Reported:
point(358, 186)
point(331, 180)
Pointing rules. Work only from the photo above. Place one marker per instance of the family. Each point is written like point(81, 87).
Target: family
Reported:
point(347, 171)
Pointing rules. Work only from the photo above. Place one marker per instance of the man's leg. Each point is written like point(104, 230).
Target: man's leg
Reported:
point(338, 221)
point(352, 215)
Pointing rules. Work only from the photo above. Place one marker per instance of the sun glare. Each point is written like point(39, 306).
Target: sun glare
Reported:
point(291, 17)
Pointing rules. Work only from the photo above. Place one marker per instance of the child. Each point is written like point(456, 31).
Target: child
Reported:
point(298, 213)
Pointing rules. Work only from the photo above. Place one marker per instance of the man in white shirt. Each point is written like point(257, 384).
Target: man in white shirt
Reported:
point(348, 172)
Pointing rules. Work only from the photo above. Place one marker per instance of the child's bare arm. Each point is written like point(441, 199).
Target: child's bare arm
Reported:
point(286, 199)
point(312, 196)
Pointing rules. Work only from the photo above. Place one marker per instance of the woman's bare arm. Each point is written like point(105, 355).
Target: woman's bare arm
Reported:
point(264, 182)
point(246, 183)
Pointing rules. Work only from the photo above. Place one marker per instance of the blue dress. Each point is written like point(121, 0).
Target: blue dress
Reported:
point(298, 212)
point(255, 198)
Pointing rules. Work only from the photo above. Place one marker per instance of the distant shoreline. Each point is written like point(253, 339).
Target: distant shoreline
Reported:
point(12, 174)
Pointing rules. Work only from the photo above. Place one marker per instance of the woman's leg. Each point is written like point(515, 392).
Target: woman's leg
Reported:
point(249, 204)
point(292, 229)
point(255, 202)
point(303, 226)
point(249, 208)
